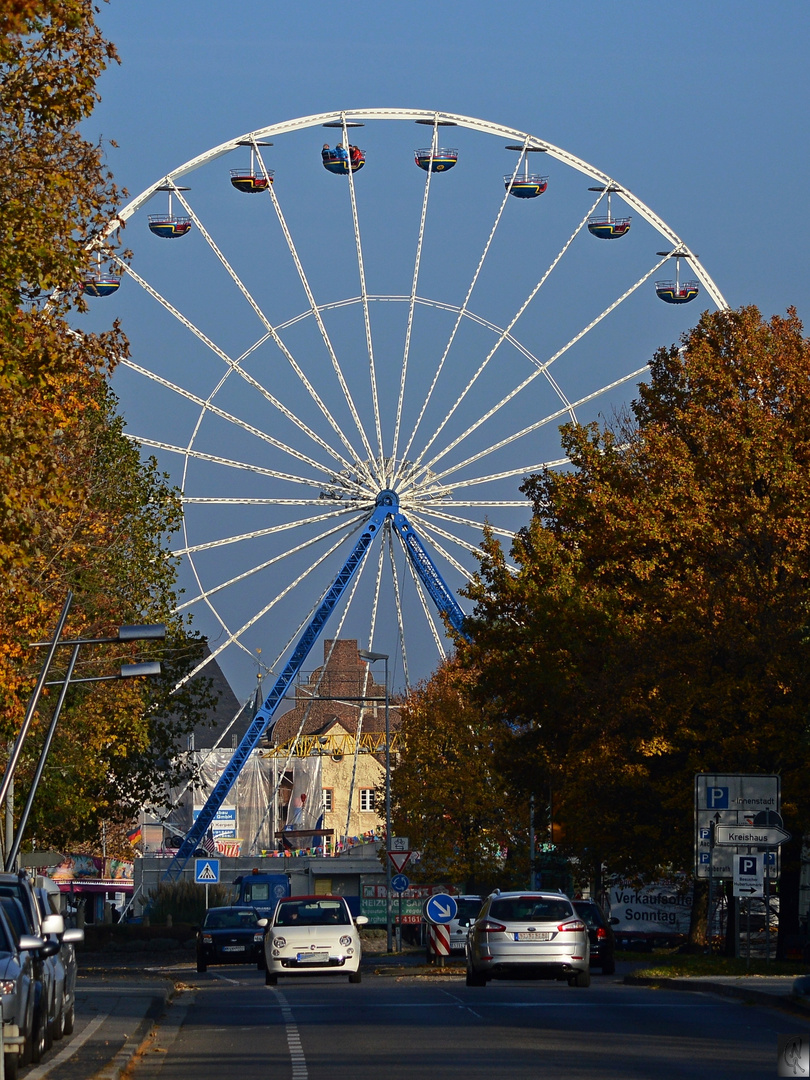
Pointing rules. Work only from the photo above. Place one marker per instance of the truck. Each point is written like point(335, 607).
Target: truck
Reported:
point(260, 891)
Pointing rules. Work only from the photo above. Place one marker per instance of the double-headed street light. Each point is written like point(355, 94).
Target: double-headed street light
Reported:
point(144, 632)
point(370, 657)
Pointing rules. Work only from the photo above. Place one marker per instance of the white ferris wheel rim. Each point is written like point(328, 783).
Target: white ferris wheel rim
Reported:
point(675, 245)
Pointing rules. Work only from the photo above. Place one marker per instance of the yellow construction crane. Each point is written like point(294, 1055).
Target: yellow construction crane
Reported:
point(336, 746)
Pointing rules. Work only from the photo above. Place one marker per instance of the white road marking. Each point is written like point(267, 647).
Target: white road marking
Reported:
point(297, 1059)
point(75, 1044)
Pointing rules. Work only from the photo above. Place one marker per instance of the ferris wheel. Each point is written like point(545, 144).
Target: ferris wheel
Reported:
point(370, 305)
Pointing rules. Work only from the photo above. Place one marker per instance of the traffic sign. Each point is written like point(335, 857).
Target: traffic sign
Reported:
point(206, 871)
point(748, 875)
point(750, 835)
point(440, 908)
point(730, 799)
point(399, 883)
point(400, 843)
point(399, 859)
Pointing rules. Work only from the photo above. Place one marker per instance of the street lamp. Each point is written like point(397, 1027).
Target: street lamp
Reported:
point(370, 657)
point(145, 632)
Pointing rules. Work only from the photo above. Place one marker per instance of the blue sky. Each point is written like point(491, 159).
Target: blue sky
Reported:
point(697, 108)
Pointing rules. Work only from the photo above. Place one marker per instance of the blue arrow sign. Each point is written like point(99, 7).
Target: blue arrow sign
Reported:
point(399, 883)
point(440, 908)
point(206, 871)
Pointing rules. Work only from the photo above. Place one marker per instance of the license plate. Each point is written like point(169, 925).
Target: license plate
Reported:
point(313, 957)
point(233, 948)
point(544, 936)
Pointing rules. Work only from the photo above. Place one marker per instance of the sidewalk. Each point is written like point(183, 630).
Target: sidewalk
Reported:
point(776, 991)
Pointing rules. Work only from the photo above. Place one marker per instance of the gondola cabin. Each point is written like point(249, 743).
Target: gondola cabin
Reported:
point(439, 160)
point(337, 161)
point(526, 187)
point(100, 284)
point(675, 292)
point(608, 228)
point(252, 179)
point(250, 182)
point(169, 227)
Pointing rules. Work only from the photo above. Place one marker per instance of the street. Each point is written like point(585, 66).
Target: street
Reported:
point(228, 1023)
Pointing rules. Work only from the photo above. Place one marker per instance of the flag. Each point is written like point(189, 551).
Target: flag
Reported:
point(208, 843)
point(135, 836)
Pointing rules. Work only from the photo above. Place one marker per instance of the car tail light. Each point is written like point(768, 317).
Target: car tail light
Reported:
point(601, 932)
point(575, 924)
point(258, 937)
point(490, 927)
point(7, 986)
point(207, 939)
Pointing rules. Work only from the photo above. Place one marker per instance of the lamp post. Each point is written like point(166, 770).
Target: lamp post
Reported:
point(370, 657)
point(146, 632)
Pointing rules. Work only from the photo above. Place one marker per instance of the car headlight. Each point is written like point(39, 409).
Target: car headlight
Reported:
point(6, 986)
point(279, 942)
point(207, 939)
point(345, 940)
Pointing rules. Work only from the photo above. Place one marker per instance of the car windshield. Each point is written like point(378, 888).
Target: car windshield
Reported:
point(312, 913)
point(259, 890)
point(530, 909)
point(229, 919)
point(590, 915)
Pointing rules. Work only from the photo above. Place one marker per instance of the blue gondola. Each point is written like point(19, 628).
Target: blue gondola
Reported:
point(100, 284)
point(339, 164)
point(677, 291)
point(443, 159)
point(169, 225)
point(252, 180)
point(608, 227)
point(523, 184)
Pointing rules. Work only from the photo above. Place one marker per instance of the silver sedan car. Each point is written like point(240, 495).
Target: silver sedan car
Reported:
point(520, 935)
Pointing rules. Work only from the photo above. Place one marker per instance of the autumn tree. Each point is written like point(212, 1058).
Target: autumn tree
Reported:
point(79, 510)
point(657, 625)
point(447, 795)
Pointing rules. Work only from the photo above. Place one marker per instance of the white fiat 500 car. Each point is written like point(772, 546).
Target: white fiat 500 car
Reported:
point(521, 935)
point(313, 935)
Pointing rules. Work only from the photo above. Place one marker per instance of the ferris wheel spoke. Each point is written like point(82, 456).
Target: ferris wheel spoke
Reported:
point(523, 470)
point(235, 636)
point(429, 618)
point(468, 503)
point(194, 500)
point(375, 401)
point(541, 371)
point(271, 330)
point(433, 530)
point(234, 366)
point(468, 523)
point(198, 455)
point(271, 530)
point(229, 417)
point(316, 313)
point(504, 334)
point(412, 302)
point(463, 309)
point(389, 543)
point(569, 408)
point(345, 527)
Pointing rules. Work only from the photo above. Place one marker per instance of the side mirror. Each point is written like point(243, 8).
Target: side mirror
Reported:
point(53, 924)
point(50, 948)
point(73, 936)
point(361, 920)
point(614, 921)
point(31, 942)
point(263, 923)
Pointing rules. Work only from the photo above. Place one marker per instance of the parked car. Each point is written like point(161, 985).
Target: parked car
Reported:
point(230, 935)
point(47, 895)
point(468, 908)
point(313, 935)
point(20, 888)
point(528, 935)
point(17, 988)
point(600, 934)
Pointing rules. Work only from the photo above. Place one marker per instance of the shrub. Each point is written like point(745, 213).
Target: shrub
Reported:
point(184, 901)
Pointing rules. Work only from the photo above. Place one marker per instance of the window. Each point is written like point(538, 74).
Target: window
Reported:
point(327, 799)
point(366, 798)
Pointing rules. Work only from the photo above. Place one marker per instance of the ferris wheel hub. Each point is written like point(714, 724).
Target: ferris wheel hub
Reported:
point(388, 497)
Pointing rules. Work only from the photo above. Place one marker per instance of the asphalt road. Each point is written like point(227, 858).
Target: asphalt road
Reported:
point(229, 1024)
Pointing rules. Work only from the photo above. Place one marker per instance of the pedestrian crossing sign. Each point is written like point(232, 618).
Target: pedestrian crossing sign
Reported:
point(206, 871)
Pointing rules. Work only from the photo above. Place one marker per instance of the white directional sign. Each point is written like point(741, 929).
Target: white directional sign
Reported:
point(748, 875)
point(728, 799)
point(751, 835)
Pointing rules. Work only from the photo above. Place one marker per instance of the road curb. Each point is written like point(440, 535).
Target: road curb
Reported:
point(785, 1002)
point(143, 1033)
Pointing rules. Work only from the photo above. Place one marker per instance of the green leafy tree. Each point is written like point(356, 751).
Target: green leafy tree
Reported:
point(657, 625)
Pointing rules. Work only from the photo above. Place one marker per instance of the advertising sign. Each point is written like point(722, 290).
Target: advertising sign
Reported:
point(662, 907)
point(224, 824)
